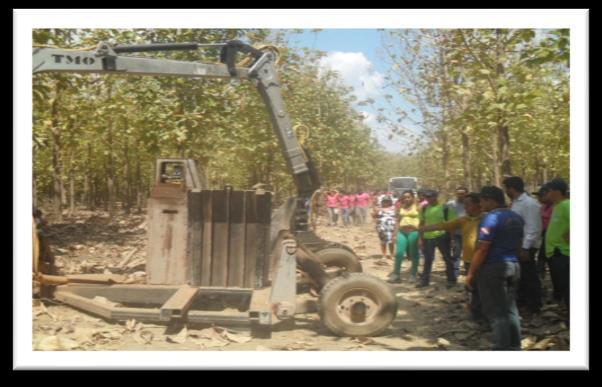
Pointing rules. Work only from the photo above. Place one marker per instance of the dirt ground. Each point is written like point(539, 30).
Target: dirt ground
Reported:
point(432, 318)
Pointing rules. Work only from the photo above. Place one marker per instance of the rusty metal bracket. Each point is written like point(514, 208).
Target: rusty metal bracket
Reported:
point(284, 287)
point(177, 306)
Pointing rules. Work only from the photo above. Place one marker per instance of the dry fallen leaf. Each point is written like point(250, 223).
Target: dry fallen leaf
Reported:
point(143, 337)
point(442, 343)
point(127, 258)
point(180, 338)
point(296, 346)
point(235, 337)
point(130, 324)
point(44, 310)
point(133, 326)
point(528, 342)
point(209, 337)
point(84, 335)
point(364, 340)
point(67, 328)
point(106, 335)
point(543, 344)
point(208, 343)
point(382, 262)
point(56, 343)
point(136, 263)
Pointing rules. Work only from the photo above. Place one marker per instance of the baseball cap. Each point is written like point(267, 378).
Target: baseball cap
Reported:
point(556, 185)
point(431, 193)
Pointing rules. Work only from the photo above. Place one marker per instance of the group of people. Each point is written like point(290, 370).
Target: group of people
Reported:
point(347, 206)
point(504, 247)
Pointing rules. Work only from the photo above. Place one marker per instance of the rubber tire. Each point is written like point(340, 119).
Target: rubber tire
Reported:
point(335, 288)
point(339, 257)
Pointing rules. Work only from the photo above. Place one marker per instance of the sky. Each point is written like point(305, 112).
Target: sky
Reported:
point(356, 55)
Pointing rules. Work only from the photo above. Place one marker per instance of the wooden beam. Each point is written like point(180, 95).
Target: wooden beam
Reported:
point(177, 305)
point(84, 303)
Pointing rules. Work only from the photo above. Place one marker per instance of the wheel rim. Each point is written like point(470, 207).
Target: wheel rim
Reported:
point(358, 307)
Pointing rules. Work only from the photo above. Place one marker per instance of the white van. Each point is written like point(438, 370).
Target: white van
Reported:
point(403, 183)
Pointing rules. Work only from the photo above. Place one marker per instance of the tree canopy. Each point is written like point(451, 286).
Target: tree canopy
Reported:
point(482, 104)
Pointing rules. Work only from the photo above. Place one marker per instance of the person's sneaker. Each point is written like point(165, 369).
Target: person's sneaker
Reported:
point(413, 278)
point(450, 285)
point(394, 278)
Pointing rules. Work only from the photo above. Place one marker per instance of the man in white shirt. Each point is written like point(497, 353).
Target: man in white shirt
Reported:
point(456, 236)
point(529, 289)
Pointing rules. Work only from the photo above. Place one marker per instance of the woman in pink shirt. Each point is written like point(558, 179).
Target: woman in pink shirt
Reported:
point(362, 202)
point(344, 204)
point(332, 204)
point(421, 199)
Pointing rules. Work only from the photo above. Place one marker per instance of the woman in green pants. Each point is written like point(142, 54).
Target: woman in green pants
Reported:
point(407, 236)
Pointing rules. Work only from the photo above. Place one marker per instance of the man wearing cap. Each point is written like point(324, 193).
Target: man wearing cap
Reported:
point(558, 237)
point(529, 289)
point(495, 267)
point(434, 213)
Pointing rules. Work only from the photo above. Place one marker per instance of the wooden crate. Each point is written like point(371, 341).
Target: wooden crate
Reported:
point(209, 238)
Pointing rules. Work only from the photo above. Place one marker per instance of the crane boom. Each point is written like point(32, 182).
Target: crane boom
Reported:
point(106, 59)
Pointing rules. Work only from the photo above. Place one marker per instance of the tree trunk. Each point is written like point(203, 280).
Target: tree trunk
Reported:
point(110, 197)
point(504, 138)
point(138, 185)
point(88, 179)
point(545, 174)
point(34, 190)
point(479, 179)
point(495, 167)
point(56, 153)
point(110, 166)
point(445, 160)
point(466, 161)
point(446, 115)
point(128, 177)
point(63, 192)
point(71, 195)
point(95, 193)
point(524, 173)
point(86, 195)
point(502, 129)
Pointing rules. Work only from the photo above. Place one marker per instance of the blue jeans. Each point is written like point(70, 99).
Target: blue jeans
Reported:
point(345, 215)
point(457, 252)
point(498, 284)
point(442, 244)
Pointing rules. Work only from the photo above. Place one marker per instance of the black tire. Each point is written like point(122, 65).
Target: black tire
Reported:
point(339, 257)
point(341, 298)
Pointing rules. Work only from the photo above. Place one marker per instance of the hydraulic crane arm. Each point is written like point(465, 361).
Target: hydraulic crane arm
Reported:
point(106, 60)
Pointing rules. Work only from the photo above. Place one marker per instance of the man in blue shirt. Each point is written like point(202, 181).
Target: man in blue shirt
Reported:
point(496, 269)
